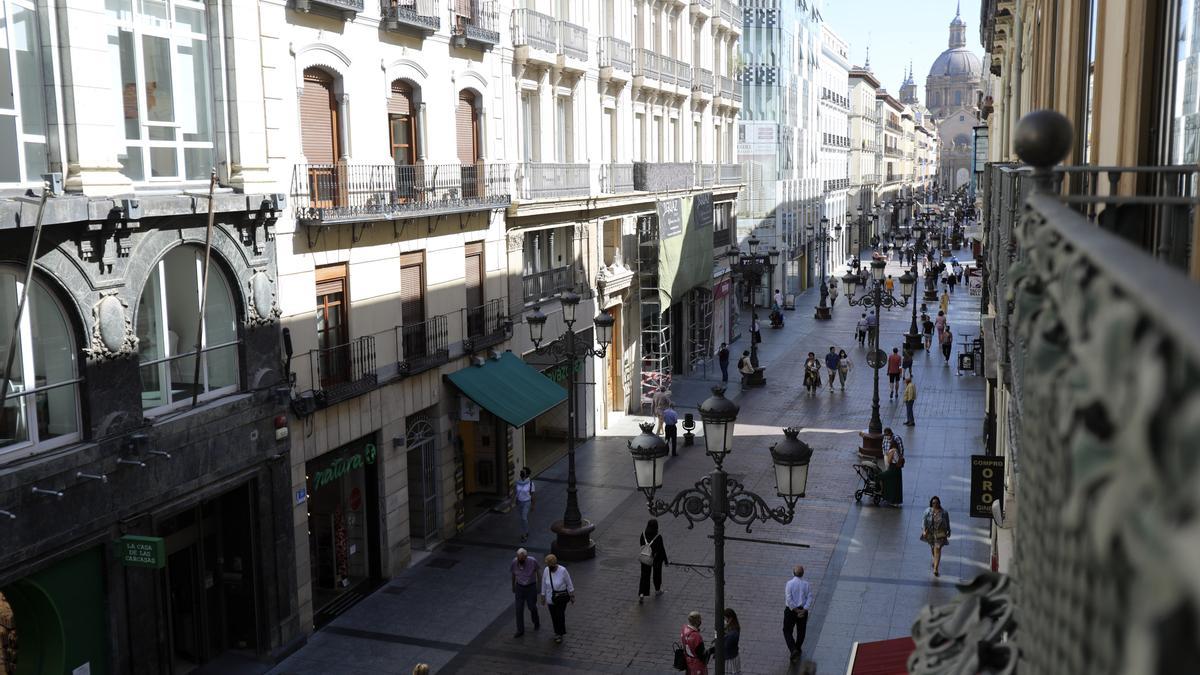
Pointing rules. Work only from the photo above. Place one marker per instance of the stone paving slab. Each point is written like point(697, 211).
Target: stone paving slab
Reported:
point(870, 572)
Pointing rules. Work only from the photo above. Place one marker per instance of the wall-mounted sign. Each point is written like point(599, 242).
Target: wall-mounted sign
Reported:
point(140, 551)
point(468, 410)
point(559, 373)
point(344, 465)
point(987, 483)
point(670, 218)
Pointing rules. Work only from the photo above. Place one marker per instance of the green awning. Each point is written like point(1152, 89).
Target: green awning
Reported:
point(509, 389)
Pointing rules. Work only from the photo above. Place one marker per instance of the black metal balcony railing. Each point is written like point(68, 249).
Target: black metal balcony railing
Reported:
point(348, 8)
point(475, 21)
point(332, 193)
point(616, 178)
point(485, 325)
point(572, 41)
point(706, 4)
point(544, 180)
point(675, 72)
point(534, 29)
point(835, 98)
point(343, 371)
point(422, 346)
point(893, 126)
point(722, 237)
point(615, 53)
point(835, 140)
point(892, 152)
point(545, 285)
point(421, 15)
point(837, 184)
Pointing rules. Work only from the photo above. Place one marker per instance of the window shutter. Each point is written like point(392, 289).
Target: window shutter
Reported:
point(465, 124)
point(316, 118)
point(412, 288)
point(473, 281)
point(401, 101)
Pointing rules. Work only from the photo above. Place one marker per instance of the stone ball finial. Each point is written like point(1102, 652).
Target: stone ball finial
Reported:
point(1043, 138)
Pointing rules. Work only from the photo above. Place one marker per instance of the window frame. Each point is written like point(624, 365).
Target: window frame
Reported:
point(16, 113)
point(177, 34)
point(34, 444)
point(164, 362)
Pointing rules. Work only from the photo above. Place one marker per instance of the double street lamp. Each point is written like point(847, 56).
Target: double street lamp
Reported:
point(574, 534)
point(872, 440)
point(717, 496)
point(752, 266)
point(912, 339)
point(823, 239)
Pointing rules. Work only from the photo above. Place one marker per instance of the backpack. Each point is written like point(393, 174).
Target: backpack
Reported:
point(646, 556)
point(680, 658)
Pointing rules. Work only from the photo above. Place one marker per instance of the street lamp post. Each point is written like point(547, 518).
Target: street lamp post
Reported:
point(823, 238)
point(751, 266)
point(574, 534)
point(717, 496)
point(912, 339)
point(872, 439)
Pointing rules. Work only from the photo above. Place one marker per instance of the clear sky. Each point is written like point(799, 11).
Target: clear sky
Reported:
point(900, 30)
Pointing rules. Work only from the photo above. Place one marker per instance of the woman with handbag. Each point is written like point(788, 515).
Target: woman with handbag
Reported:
point(935, 531)
point(557, 591)
point(812, 373)
point(653, 556)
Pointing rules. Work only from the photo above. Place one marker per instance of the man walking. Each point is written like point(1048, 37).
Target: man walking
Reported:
point(660, 402)
point(910, 397)
point(873, 329)
point(832, 360)
point(860, 330)
point(524, 571)
point(525, 492)
point(797, 601)
point(894, 366)
point(671, 418)
point(723, 361)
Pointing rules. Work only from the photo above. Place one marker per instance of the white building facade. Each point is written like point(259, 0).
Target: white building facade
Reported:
point(833, 120)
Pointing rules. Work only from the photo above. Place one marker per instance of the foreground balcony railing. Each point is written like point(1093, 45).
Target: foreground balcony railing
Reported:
point(421, 15)
point(347, 8)
point(485, 325)
point(615, 53)
point(572, 41)
point(476, 22)
point(551, 180)
point(422, 345)
point(534, 29)
point(541, 286)
point(333, 193)
point(343, 371)
point(616, 178)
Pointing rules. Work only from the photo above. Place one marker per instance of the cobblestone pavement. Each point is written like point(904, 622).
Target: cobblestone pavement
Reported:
point(870, 572)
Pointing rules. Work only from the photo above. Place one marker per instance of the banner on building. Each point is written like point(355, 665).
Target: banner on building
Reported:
point(987, 484)
point(685, 246)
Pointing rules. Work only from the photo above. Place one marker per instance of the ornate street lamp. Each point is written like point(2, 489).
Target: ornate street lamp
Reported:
point(717, 496)
point(823, 239)
point(751, 267)
point(573, 540)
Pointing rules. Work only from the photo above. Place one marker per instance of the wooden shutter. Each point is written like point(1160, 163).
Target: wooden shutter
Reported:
point(412, 288)
point(317, 113)
point(473, 281)
point(401, 101)
point(465, 125)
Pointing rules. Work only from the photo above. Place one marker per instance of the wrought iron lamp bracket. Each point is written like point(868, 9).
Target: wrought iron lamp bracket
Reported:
point(742, 507)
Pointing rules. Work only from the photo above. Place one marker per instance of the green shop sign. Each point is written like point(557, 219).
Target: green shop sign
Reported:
point(138, 551)
point(559, 373)
point(344, 465)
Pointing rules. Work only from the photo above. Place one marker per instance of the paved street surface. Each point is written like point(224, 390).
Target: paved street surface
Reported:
point(871, 574)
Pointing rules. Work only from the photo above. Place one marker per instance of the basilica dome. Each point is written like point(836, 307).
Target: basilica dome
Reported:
point(959, 62)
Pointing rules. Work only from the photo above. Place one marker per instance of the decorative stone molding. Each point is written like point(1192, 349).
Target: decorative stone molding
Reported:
point(262, 308)
point(112, 329)
point(103, 246)
point(516, 241)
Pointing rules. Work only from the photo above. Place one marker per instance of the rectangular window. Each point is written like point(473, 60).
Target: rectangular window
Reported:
point(564, 134)
point(529, 126)
point(1185, 111)
point(413, 330)
point(22, 97)
point(159, 58)
point(333, 324)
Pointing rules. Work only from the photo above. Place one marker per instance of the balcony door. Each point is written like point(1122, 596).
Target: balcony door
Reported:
point(403, 136)
point(412, 306)
point(466, 122)
point(333, 325)
point(318, 136)
point(473, 284)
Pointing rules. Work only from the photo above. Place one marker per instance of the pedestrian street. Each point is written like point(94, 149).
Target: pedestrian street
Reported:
point(453, 609)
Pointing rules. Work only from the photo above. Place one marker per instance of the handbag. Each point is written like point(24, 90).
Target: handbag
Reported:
point(646, 556)
point(680, 657)
point(557, 596)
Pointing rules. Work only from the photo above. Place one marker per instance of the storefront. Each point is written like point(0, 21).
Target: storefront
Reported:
point(546, 434)
point(343, 526)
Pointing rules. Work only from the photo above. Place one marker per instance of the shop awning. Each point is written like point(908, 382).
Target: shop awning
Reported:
point(509, 389)
point(883, 657)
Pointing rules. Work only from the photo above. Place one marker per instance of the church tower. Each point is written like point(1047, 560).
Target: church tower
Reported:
point(908, 90)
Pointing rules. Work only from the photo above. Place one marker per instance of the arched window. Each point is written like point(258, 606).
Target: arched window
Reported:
point(42, 403)
point(167, 320)
point(402, 124)
point(319, 137)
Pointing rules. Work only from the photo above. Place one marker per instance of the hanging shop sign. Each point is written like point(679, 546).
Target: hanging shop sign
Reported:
point(344, 465)
point(987, 484)
point(559, 373)
point(140, 551)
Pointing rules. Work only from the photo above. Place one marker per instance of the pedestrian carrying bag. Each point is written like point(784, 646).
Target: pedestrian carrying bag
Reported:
point(646, 556)
point(680, 657)
point(557, 596)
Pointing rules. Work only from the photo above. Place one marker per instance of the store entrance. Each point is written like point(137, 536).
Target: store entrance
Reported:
point(210, 580)
point(485, 464)
point(422, 483)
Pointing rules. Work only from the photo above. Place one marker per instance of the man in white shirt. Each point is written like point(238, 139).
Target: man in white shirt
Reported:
point(525, 491)
point(797, 600)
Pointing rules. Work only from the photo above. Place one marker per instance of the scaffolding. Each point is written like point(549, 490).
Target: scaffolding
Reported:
point(656, 329)
point(700, 326)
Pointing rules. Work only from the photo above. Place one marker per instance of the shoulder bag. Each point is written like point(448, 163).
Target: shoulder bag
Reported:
point(680, 657)
point(557, 596)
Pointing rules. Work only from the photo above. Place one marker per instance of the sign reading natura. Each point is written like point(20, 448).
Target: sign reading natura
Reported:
point(139, 551)
point(987, 484)
point(344, 465)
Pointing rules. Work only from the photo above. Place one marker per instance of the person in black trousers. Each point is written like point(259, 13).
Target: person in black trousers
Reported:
point(658, 558)
point(723, 360)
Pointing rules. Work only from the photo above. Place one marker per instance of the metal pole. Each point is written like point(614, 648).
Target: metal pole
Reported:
point(212, 184)
point(875, 426)
point(16, 332)
point(572, 518)
point(754, 281)
point(720, 490)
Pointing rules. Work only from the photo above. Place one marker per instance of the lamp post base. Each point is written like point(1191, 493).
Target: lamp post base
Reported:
point(931, 295)
point(756, 379)
point(872, 445)
point(913, 342)
point(823, 313)
point(573, 543)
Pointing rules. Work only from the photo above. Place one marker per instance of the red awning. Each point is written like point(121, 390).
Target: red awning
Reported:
point(883, 657)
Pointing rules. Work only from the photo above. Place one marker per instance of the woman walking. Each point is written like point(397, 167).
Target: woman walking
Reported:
point(947, 343)
point(812, 373)
point(844, 367)
point(733, 633)
point(557, 591)
point(906, 362)
point(935, 531)
point(653, 556)
point(944, 302)
point(892, 478)
point(525, 492)
point(940, 324)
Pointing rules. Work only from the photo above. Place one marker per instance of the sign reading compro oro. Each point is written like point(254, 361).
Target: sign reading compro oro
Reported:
point(139, 551)
point(987, 484)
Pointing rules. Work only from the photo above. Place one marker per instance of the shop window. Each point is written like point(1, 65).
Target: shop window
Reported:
point(22, 97)
point(42, 403)
point(159, 55)
point(168, 321)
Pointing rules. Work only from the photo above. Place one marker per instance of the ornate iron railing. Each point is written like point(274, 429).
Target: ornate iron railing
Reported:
point(534, 29)
point(475, 21)
point(422, 345)
point(616, 178)
point(343, 371)
point(423, 15)
point(551, 181)
point(572, 40)
point(342, 192)
point(485, 325)
point(544, 285)
point(349, 7)
point(615, 53)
